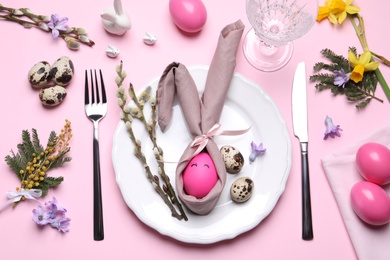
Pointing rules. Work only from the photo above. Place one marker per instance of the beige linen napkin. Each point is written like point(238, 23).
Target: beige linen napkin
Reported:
point(370, 242)
point(201, 114)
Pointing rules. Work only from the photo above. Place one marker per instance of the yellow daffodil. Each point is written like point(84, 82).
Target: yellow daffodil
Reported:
point(342, 8)
point(336, 10)
point(326, 12)
point(361, 65)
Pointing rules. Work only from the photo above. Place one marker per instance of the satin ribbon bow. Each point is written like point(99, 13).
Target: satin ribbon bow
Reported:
point(15, 196)
point(202, 140)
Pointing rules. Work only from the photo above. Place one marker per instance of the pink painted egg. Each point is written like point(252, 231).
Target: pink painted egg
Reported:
point(189, 15)
point(371, 203)
point(200, 175)
point(373, 163)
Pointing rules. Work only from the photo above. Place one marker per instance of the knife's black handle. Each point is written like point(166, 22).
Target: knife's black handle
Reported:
point(307, 225)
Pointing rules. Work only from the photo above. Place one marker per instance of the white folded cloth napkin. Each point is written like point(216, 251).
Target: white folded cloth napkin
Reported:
point(370, 242)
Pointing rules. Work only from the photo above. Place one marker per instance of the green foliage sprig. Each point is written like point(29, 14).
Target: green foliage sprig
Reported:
point(32, 161)
point(360, 93)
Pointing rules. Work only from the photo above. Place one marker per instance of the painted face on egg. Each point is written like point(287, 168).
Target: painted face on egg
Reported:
point(200, 175)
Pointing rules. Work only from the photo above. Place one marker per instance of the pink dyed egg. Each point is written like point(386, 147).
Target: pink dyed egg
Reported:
point(373, 163)
point(371, 203)
point(188, 15)
point(200, 175)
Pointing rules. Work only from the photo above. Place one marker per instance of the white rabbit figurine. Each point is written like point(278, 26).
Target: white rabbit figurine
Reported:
point(115, 20)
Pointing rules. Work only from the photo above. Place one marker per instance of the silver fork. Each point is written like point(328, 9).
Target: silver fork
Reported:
point(96, 109)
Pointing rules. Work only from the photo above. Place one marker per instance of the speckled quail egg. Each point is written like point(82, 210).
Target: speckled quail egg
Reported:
point(39, 74)
point(52, 96)
point(62, 71)
point(242, 189)
point(233, 159)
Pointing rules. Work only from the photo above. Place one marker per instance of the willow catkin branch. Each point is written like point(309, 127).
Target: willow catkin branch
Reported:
point(166, 192)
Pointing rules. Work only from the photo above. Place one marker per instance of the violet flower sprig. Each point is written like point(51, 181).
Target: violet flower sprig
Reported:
point(52, 214)
point(73, 36)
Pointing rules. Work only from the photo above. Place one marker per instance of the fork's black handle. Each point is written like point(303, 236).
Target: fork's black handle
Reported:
point(98, 230)
point(307, 225)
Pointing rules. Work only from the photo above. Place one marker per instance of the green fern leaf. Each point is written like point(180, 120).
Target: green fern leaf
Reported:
point(36, 143)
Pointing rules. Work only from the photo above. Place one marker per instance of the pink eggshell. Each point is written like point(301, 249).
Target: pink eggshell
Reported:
point(200, 176)
point(188, 15)
point(371, 203)
point(373, 163)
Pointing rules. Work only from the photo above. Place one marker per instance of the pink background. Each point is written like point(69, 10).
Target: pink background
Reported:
point(277, 237)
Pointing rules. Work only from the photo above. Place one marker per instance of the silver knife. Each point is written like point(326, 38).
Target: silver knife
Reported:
point(299, 115)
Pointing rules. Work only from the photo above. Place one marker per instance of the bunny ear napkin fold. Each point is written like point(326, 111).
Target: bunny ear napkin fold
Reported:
point(201, 114)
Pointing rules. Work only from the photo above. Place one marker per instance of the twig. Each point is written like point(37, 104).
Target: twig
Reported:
point(165, 190)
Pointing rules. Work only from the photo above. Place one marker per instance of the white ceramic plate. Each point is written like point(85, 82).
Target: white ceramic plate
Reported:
point(247, 105)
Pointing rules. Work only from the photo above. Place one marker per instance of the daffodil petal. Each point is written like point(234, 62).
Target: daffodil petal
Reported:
point(323, 12)
point(352, 59)
point(352, 9)
point(349, 2)
point(371, 66)
point(357, 73)
point(342, 17)
point(365, 58)
point(332, 18)
point(337, 6)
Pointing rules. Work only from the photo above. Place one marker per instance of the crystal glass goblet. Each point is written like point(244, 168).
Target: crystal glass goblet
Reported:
point(276, 23)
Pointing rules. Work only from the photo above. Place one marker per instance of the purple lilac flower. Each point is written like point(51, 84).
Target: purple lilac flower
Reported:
point(52, 214)
point(57, 24)
point(55, 208)
point(256, 150)
point(331, 129)
point(341, 78)
point(41, 216)
point(61, 224)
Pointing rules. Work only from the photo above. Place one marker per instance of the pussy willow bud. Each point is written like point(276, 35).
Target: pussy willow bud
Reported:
point(81, 31)
point(73, 45)
point(120, 102)
point(118, 80)
point(118, 68)
point(17, 12)
point(126, 109)
point(27, 25)
point(128, 125)
point(45, 18)
point(43, 26)
point(84, 39)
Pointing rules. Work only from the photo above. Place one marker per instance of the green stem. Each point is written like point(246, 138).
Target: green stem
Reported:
point(383, 83)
